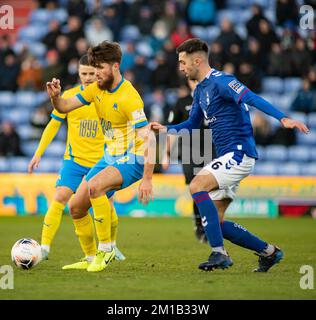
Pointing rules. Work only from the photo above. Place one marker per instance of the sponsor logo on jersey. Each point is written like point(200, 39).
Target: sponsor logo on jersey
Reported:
point(236, 86)
point(138, 115)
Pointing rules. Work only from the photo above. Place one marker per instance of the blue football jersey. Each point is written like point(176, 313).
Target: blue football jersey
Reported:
point(218, 99)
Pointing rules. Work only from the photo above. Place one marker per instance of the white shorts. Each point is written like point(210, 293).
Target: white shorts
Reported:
point(229, 170)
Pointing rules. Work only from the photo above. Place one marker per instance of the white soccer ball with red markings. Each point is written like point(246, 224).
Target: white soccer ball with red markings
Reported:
point(26, 253)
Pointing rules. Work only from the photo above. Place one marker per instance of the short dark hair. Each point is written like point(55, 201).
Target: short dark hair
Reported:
point(84, 61)
point(105, 52)
point(192, 45)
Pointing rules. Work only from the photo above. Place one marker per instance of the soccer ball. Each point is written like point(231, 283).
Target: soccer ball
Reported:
point(26, 253)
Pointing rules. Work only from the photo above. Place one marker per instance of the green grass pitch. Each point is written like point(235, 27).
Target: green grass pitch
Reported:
point(162, 259)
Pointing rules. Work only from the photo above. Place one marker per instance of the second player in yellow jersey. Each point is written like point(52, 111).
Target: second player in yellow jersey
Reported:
point(84, 147)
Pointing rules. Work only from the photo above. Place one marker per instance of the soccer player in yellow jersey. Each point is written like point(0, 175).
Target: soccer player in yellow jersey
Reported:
point(124, 124)
point(84, 148)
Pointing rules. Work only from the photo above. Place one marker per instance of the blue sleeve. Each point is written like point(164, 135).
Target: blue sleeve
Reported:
point(231, 89)
point(193, 122)
point(253, 100)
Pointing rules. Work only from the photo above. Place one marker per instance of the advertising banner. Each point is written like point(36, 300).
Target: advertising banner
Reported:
point(23, 194)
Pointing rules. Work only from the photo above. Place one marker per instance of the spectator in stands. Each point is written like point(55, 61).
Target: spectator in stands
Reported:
point(289, 36)
point(266, 36)
point(181, 33)
point(158, 36)
point(248, 75)
point(305, 100)
point(170, 52)
point(254, 56)
point(170, 15)
point(11, 69)
point(142, 74)
point(301, 59)
point(5, 48)
point(161, 74)
point(54, 68)
point(228, 36)
point(146, 21)
point(229, 68)
point(201, 12)
point(81, 47)
point(252, 24)
point(261, 129)
point(114, 20)
point(279, 63)
point(96, 32)
point(50, 38)
point(171, 60)
point(71, 78)
point(217, 55)
point(39, 119)
point(77, 8)
point(30, 76)
point(129, 55)
point(9, 140)
point(65, 51)
point(234, 54)
point(286, 11)
point(73, 30)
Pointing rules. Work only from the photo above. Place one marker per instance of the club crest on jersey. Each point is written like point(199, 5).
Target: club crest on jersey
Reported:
point(115, 106)
point(236, 86)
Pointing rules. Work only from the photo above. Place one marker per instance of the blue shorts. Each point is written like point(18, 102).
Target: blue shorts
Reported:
point(71, 175)
point(130, 166)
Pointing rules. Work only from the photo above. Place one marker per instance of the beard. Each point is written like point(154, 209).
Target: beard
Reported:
point(107, 84)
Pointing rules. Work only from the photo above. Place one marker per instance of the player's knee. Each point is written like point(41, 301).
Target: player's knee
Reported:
point(62, 198)
point(76, 211)
point(195, 186)
point(95, 189)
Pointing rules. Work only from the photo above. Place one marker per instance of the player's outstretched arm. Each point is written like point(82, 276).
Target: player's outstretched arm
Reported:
point(266, 107)
point(291, 124)
point(47, 137)
point(145, 189)
point(60, 104)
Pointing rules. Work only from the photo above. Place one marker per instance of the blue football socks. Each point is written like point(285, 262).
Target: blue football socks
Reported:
point(242, 237)
point(209, 218)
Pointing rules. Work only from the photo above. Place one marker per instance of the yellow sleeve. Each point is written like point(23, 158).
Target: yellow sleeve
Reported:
point(47, 136)
point(86, 96)
point(58, 116)
point(135, 111)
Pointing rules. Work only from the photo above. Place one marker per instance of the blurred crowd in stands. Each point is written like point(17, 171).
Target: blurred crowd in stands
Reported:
point(254, 40)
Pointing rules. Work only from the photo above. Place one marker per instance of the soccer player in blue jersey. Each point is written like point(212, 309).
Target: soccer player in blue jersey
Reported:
point(222, 100)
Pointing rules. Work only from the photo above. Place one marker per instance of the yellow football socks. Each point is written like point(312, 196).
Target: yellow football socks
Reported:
point(85, 232)
point(51, 222)
point(102, 217)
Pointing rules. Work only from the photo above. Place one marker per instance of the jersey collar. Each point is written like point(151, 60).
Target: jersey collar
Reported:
point(207, 76)
point(116, 88)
